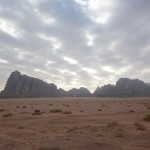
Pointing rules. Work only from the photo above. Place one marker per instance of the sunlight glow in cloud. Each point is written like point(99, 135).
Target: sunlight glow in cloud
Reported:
point(70, 60)
point(9, 28)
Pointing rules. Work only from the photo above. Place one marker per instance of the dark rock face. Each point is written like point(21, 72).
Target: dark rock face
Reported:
point(24, 86)
point(62, 92)
point(124, 88)
point(81, 92)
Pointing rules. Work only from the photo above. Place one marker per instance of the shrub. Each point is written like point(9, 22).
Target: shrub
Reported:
point(21, 127)
point(37, 112)
point(67, 112)
point(2, 110)
point(56, 110)
point(49, 148)
point(7, 115)
point(139, 126)
point(147, 118)
point(112, 124)
point(131, 111)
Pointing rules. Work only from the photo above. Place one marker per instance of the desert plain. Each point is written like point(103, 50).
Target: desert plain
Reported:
point(75, 124)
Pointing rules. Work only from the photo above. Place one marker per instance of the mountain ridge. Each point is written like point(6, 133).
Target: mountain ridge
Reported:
point(24, 86)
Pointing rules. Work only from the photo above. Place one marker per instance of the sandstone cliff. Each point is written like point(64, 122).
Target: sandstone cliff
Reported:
point(124, 88)
point(24, 86)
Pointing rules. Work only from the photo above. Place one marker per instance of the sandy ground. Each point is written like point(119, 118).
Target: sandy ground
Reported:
point(88, 124)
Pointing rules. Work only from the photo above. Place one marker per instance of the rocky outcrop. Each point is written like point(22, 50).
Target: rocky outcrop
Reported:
point(124, 88)
point(81, 92)
point(24, 86)
point(62, 92)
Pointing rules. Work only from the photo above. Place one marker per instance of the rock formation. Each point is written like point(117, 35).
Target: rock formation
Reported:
point(81, 92)
point(124, 88)
point(24, 86)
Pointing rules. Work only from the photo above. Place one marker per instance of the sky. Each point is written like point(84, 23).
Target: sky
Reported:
point(75, 43)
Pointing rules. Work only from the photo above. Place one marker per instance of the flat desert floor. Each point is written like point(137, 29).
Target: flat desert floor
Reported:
point(74, 124)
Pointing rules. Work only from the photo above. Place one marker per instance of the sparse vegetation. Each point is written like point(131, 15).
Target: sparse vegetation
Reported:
point(147, 118)
point(49, 148)
point(2, 110)
point(7, 115)
point(131, 111)
point(21, 127)
point(112, 124)
point(37, 112)
point(56, 110)
point(99, 110)
point(67, 112)
point(139, 126)
point(24, 106)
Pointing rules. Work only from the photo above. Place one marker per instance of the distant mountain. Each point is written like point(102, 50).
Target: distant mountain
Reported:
point(62, 92)
point(24, 86)
point(124, 88)
point(81, 92)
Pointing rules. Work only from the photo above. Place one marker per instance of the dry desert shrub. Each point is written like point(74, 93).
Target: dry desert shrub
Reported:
point(21, 127)
point(147, 118)
point(112, 124)
point(2, 110)
point(131, 111)
point(37, 112)
point(139, 126)
point(7, 115)
point(67, 112)
point(99, 110)
point(49, 148)
point(56, 111)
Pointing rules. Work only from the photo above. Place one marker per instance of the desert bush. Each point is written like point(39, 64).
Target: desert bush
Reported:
point(119, 133)
point(56, 110)
point(49, 148)
point(21, 127)
point(37, 112)
point(7, 115)
point(112, 124)
point(99, 110)
point(81, 111)
point(131, 111)
point(139, 126)
point(2, 110)
point(67, 112)
point(147, 118)
point(24, 106)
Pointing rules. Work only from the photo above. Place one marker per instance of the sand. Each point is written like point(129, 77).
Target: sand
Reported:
point(74, 124)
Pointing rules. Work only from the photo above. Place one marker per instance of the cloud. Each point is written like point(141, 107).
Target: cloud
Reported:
point(75, 43)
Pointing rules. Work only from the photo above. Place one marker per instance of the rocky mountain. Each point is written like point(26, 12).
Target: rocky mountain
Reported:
point(124, 88)
point(24, 86)
point(62, 92)
point(81, 92)
point(19, 85)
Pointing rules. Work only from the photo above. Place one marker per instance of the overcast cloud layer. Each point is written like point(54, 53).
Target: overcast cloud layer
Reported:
point(75, 43)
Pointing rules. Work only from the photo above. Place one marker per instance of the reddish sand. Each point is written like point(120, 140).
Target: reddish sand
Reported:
point(94, 124)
